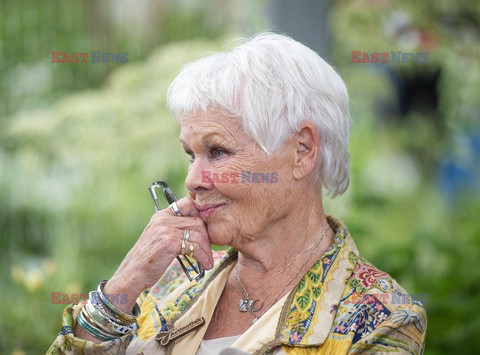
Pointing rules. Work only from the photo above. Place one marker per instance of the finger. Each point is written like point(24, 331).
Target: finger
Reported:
point(187, 207)
point(202, 252)
point(163, 218)
point(204, 259)
point(189, 220)
point(172, 241)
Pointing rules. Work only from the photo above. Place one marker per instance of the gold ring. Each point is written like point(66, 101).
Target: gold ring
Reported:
point(183, 250)
point(191, 248)
point(186, 237)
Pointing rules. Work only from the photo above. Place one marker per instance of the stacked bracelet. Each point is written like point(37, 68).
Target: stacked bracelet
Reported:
point(118, 313)
point(103, 320)
point(96, 332)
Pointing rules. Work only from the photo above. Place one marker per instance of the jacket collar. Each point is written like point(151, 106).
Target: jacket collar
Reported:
point(310, 309)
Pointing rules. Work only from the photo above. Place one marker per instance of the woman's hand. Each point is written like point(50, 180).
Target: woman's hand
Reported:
point(159, 244)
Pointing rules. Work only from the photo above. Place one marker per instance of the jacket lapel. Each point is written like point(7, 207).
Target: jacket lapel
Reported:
point(308, 317)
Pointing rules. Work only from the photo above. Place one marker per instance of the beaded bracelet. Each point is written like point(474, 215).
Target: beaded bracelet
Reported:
point(120, 315)
point(97, 333)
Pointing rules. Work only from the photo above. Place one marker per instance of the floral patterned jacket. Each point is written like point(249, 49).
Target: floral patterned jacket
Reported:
point(342, 305)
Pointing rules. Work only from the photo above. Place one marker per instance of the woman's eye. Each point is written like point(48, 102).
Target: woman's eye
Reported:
point(217, 152)
point(191, 156)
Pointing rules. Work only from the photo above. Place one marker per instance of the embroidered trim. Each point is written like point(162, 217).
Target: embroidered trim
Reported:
point(174, 310)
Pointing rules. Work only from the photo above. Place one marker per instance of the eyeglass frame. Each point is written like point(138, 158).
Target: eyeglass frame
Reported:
point(171, 198)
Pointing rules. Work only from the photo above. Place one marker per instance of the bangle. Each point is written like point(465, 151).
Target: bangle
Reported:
point(92, 330)
point(97, 315)
point(96, 302)
point(91, 321)
point(120, 315)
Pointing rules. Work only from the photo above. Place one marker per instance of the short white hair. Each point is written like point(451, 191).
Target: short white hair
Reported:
point(274, 84)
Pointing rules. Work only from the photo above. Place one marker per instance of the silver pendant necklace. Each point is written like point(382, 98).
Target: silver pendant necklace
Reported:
point(246, 304)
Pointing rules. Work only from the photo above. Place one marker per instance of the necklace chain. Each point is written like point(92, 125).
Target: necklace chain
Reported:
point(248, 305)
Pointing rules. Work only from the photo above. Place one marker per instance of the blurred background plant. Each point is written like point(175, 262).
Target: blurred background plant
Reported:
point(80, 144)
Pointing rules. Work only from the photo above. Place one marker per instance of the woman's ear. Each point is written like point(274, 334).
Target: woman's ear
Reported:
point(307, 143)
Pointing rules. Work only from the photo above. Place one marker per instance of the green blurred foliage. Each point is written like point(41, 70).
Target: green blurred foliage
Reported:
point(75, 170)
point(31, 29)
point(404, 218)
point(74, 188)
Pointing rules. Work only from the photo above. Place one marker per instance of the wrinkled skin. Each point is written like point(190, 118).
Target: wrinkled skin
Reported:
point(266, 222)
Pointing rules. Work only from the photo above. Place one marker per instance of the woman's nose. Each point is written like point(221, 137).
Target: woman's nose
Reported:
point(198, 177)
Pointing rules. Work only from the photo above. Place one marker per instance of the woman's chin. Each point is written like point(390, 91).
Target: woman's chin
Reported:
point(218, 235)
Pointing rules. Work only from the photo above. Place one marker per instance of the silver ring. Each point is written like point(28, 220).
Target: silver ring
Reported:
point(174, 207)
point(186, 235)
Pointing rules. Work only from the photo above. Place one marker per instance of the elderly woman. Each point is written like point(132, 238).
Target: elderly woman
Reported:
point(266, 128)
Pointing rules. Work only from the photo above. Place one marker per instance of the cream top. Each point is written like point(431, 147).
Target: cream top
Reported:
point(214, 346)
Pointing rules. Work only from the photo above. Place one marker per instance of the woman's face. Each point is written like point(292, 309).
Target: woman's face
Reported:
point(240, 191)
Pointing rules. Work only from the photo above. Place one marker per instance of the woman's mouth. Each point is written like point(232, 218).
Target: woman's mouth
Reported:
point(207, 210)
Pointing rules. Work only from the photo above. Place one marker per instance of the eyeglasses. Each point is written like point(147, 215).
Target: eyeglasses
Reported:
point(193, 272)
